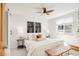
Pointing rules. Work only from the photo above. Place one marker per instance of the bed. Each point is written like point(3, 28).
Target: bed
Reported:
point(37, 48)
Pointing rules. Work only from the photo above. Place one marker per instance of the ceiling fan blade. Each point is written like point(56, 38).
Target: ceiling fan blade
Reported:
point(50, 11)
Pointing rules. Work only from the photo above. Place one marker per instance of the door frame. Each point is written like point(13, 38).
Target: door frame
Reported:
point(2, 29)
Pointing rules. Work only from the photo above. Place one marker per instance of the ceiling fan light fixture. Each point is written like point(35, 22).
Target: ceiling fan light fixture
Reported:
point(45, 11)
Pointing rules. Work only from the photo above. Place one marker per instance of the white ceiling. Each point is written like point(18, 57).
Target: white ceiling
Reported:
point(30, 9)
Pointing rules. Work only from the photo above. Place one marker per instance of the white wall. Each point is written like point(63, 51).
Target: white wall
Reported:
point(62, 19)
point(52, 27)
point(75, 22)
point(20, 21)
point(69, 38)
point(19, 18)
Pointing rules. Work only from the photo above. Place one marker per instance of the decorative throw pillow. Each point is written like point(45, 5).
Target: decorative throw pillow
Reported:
point(40, 37)
point(34, 37)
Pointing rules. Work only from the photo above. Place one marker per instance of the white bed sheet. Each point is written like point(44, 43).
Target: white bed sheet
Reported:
point(32, 45)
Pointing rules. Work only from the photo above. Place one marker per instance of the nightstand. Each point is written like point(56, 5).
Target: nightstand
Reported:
point(20, 43)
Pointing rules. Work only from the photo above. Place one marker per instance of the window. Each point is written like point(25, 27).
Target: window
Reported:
point(37, 27)
point(30, 27)
point(60, 27)
point(67, 28)
point(33, 27)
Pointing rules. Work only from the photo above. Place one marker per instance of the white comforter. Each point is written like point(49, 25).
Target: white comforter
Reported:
point(38, 47)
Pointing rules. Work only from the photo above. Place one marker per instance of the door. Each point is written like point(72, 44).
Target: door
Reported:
point(1, 29)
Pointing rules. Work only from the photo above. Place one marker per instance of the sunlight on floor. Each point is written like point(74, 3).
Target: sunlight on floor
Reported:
point(18, 52)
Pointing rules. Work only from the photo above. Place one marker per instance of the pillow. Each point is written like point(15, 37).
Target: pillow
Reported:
point(34, 37)
point(40, 37)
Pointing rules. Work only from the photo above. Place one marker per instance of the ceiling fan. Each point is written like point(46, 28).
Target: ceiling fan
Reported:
point(45, 11)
